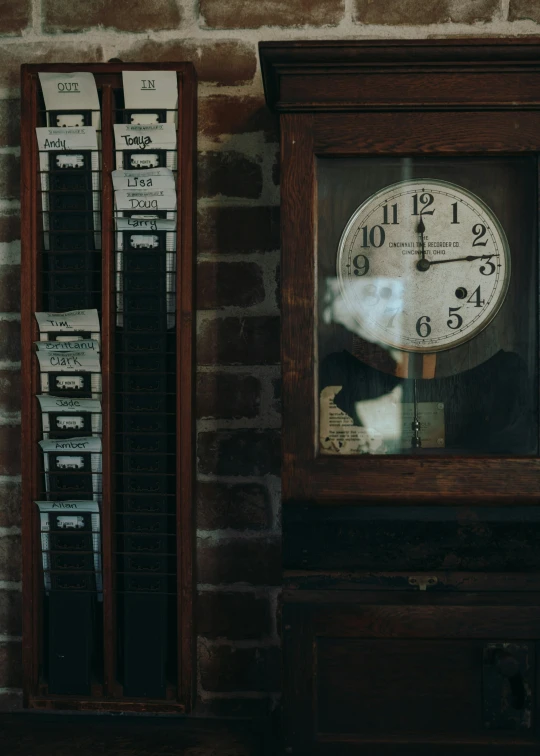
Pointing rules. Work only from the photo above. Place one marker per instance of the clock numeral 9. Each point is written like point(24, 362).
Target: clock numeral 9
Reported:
point(480, 230)
point(376, 236)
point(452, 312)
point(426, 200)
point(423, 329)
point(360, 268)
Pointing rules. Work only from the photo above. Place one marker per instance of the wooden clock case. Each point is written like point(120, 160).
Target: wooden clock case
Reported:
point(411, 614)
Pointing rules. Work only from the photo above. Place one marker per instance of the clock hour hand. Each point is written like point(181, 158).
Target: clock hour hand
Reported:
point(469, 258)
point(422, 264)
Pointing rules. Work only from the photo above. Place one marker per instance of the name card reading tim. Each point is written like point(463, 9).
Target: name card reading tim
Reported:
point(61, 138)
point(73, 320)
point(160, 136)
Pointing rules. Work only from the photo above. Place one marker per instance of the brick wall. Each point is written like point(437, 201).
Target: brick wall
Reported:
point(238, 387)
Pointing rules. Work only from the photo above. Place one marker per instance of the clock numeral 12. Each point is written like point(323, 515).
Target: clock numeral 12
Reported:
point(395, 221)
point(426, 200)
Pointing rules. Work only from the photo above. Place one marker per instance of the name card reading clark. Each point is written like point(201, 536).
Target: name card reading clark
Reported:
point(68, 362)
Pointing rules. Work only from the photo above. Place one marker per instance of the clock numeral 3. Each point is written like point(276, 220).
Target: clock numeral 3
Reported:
point(426, 200)
point(454, 325)
point(360, 268)
point(484, 270)
point(423, 329)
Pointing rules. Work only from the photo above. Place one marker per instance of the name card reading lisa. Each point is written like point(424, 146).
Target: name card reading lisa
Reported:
point(156, 178)
point(161, 136)
point(62, 138)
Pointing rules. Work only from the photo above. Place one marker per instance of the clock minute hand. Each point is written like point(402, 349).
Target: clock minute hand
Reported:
point(422, 265)
point(469, 258)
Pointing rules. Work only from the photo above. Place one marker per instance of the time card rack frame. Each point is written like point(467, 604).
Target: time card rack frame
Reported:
point(123, 642)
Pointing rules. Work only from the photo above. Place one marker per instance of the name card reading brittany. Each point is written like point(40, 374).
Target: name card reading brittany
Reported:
point(156, 178)
point(84, 345)
point(73, 320)
point(68, 362)
point(145, 200)
point(61, 139)
point(160, 136)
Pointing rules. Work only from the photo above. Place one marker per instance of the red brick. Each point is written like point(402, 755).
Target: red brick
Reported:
point(13, 55)
point(10, 613)
point(14, 15)
point(229, 174)
point(225, 395)
point(240, 452)
point(237, 616)
point(124, 15)
point(10, 288)
point(10, 450)
point(10, 391)
point(10, 558)
point(11, 701)
point(10, 227)
point(10, 176)
point(10, 340)
point(11, 664)
point(225, 62)
point(224, 669)
point(412, 13)
point(246, 14)
point(239, 341)
point(10, 509)
point(238, 229)
point(229, 285)
point(524, 10)
point(223, 114)
point(10, 123)
point(249, 561)
point(255, 561)
point(240, 506)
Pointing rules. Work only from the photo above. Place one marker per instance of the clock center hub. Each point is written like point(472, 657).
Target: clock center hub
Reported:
point(423, 265)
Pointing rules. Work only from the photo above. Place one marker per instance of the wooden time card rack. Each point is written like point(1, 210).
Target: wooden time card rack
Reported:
point(107, 361)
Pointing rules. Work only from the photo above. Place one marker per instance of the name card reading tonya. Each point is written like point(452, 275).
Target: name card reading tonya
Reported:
point(150, 89)
point(82, 345)
point(161, 136)
point(59, 138)
point(68, 362)
point(154, 178)
point(145, 200)
point(73, 320)
point(59, 404)
point(69, 91)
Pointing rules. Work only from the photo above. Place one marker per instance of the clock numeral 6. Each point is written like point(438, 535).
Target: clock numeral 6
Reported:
point(423, 329)
point(361, 265)
point(454, 325)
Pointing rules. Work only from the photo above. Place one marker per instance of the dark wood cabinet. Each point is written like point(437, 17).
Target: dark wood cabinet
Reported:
point(410, 609)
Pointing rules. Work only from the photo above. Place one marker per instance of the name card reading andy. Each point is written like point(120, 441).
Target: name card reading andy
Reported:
point(158, 136)
point(156, 178)
point(84, 345)
point(73, 320)
point(145, 200)
point(68, 362)
point(58, 404)
point(61, 138)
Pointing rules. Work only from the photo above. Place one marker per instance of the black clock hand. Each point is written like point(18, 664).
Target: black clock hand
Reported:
point(422, 264)
point(469, 258)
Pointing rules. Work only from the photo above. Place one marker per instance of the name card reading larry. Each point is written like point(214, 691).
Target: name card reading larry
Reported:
point(62, 138)
point(161, 136)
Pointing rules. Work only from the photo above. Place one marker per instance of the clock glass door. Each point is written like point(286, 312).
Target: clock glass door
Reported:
point(427, 306)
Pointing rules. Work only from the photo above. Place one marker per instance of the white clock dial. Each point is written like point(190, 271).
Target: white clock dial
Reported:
point(423, 266)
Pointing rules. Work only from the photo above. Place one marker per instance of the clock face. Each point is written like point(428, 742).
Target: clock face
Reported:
point(423, 266)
